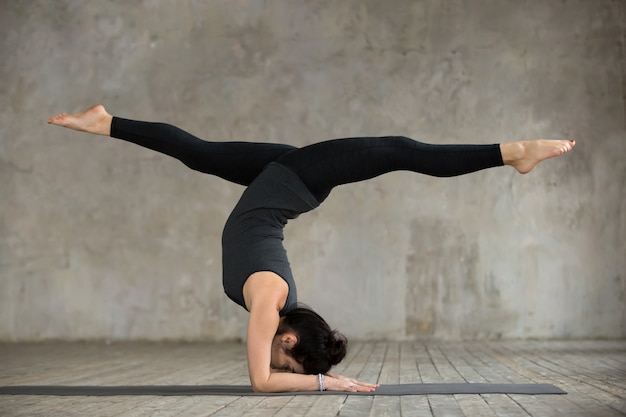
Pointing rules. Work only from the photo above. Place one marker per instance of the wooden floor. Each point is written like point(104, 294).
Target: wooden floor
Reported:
point(592, 372)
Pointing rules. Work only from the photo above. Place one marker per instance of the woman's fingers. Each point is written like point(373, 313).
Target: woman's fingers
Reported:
point(356, 386)
point(342, 383)
point(352, 380)
point(365, 384)
point(362, 388)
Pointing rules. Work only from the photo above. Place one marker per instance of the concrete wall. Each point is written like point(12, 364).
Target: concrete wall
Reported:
point(103, 239)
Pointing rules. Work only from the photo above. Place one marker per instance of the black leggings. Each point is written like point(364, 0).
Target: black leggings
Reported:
point(320, 166)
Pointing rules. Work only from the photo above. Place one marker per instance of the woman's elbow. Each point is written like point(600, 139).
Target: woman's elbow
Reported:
point(260, 386)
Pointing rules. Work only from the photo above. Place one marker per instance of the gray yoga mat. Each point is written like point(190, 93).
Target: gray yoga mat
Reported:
point(241, 390)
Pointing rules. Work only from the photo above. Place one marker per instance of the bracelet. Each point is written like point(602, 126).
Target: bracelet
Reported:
point(320, 381)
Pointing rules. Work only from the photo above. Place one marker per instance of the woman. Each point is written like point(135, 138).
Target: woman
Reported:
point(290, 348)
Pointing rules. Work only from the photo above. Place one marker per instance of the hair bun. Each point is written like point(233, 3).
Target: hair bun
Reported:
point(336, 347)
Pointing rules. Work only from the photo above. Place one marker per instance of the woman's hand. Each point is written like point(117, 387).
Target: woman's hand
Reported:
point(333, 382)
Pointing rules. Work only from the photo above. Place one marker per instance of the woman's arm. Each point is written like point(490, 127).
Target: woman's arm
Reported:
point(265, 294)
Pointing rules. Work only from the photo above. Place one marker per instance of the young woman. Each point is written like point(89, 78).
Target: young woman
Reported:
point(291, 348)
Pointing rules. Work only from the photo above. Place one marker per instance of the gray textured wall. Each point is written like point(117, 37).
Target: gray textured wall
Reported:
point(103, 239)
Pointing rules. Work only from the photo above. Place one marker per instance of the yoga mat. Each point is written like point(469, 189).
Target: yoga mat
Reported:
point(245, 390)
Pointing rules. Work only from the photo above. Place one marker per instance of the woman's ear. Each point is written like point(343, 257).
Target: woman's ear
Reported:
point(289, 340)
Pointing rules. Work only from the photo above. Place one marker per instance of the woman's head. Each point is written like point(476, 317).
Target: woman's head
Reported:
point(314, 346)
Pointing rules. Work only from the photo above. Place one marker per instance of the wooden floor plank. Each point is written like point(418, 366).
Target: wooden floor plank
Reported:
point(415, 405)
point(560, 404)
point(370, 371)
point(588, 398)
point(482, 359)
point(501, 405)
point(389, 374)
point(298, 406)
point(326, 406)
point(268, 406)
point(472, 405)
point(354, 364)
point(440, 405)
point(581, 365)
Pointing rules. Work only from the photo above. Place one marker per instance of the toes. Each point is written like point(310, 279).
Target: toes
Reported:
point(567, 146)
point(57, 119)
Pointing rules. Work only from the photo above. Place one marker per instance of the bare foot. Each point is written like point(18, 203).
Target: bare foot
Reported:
point(93, 120)
point(525, 155)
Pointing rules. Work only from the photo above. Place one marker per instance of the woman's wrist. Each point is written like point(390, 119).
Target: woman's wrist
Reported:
point(320, 382)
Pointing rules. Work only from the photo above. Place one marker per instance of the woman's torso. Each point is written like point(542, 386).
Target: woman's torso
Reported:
point(252, 239)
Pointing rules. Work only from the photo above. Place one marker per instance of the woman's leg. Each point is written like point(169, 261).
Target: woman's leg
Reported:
point(325, 165)
point(238, 162)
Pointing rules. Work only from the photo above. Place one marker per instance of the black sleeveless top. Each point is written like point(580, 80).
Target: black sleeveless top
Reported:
point(252, 239)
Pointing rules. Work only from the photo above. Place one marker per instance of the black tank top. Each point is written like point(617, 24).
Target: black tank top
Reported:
point(252, 239)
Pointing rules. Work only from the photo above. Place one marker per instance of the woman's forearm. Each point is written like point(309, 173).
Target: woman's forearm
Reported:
point(287, 382)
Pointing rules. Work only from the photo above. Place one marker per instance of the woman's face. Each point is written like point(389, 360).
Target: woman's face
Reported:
point(281, 361)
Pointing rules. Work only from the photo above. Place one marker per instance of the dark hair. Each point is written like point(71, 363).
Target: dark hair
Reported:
point(318, 347)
